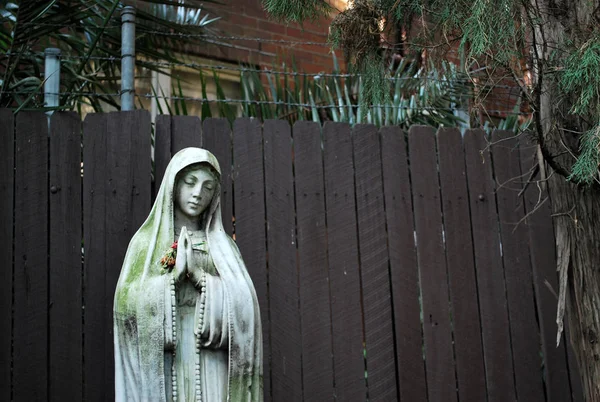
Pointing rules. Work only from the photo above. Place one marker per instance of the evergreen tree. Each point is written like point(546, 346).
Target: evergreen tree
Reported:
point(551, 49)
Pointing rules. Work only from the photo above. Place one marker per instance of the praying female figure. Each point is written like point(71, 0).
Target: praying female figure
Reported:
point(186, 318)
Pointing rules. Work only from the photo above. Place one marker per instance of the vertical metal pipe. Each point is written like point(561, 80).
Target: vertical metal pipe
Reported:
point(51, 78)
point(127, 58)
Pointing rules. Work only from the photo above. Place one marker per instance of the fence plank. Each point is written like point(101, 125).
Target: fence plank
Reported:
point(488, 264)
point(127, 204)
point(95, 330)
point(118, 225)
point(317, 366)
point(403, 264)
point(216, 137)
point(517, 267)
point(162, 149)
point(286, 353)
point(250, 229)
point(186, 131)
point(137, 124)
point(543, 260)
point(7, 177)
point(470, 370)
point(344, 275)
point(441, 379)
point(65, 320)
point(117, 190)
point(30, 355)
point(374, 260)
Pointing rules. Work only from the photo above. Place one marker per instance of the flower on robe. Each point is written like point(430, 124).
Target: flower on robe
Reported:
point(167, 262)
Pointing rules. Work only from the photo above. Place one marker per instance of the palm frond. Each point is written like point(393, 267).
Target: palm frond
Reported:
point(88, 31)
point(416, 96)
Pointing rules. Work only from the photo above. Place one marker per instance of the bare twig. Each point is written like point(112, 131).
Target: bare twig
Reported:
point(568, 213)
point(537, 206)
point(534, 171)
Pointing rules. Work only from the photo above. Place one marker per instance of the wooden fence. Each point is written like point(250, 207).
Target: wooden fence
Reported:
point(388, 266)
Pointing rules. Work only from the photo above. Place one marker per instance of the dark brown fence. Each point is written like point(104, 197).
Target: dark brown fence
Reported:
point(388, 266)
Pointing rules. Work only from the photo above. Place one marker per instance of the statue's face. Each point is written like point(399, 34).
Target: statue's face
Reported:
point(194, 192)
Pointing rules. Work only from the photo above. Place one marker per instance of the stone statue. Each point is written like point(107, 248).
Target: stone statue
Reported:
point(186, 318)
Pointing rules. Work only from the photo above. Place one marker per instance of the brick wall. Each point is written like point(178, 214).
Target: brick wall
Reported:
point(246, 18)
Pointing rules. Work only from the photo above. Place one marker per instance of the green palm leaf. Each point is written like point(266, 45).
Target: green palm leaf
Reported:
point(86, 32)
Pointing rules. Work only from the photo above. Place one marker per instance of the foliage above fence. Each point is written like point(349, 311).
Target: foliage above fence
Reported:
point(89, 38)
point(417, 96)
point(388, 266)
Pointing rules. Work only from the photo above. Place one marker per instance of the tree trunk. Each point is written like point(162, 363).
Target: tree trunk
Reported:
point(576, 210)
point(577, 230)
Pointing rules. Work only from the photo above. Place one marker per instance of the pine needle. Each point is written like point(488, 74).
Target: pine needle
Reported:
point(585, 169)
point(296, 10)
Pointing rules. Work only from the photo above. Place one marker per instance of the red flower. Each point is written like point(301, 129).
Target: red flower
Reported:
point(168, 260)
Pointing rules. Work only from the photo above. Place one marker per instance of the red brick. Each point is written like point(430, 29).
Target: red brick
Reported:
point(297, 34)
point(273, 27)
point(271, 48)
point(254, 8)
point(320, 26)
point(323, 59)
point(244, 21)
point(315, 68)
point(257, 33)
point(300, 54)
point(313, 49)
point(278, 36)
point(232, 30)
point(313, 37)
